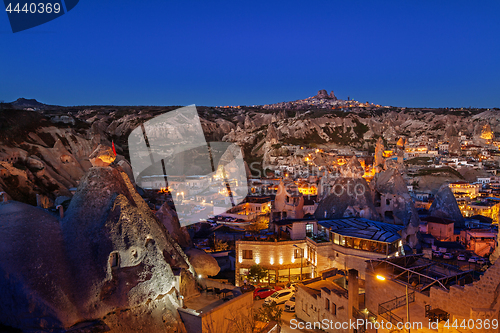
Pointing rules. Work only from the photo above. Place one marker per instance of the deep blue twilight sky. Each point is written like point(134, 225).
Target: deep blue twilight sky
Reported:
point(157, 52)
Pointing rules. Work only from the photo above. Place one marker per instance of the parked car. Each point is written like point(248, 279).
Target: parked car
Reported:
point(290, 304)
point(447, 255)
point(482, 261)
point(260, 293)
point(473, 259)
point(437, 254)
point(279, 297)
point(461, 257)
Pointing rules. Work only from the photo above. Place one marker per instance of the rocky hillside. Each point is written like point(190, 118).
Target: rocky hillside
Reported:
point(46, 151)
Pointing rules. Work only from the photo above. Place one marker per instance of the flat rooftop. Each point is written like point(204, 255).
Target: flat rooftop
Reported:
point(314, 287)
point(204, 303)
point(422, 273)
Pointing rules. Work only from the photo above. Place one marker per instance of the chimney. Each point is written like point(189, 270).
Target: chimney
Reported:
point(352, 292)
point(61, 211)
point(38, 203)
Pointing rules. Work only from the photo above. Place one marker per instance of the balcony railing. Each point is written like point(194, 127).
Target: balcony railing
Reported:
point(397, 302)
point(389, 316)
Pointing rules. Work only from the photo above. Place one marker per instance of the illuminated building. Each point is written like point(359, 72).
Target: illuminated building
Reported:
point(440, 228)
point(388, 153)
point(464, 190)
point(481, 241)
point(339, 243)
point(249, 210)
point(490, 207)
point(308, 189)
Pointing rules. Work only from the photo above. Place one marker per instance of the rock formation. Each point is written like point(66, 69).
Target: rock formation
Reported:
point(455, 147)
point(395, 205)
point(271, 135)
point(109, 260)
point(249, 124)
point(379, 153)
point(203, 263)
point(322, 94)
point(169, 218)
point(35, 287)
point(451, 132)
point(445, 206)
point(352, 169)
point(102, 156)
point(344, 193)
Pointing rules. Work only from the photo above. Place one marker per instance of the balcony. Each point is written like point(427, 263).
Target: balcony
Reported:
point(319, 239)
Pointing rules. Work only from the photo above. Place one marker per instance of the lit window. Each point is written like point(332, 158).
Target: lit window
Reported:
point(247, 254)
point(297, 253)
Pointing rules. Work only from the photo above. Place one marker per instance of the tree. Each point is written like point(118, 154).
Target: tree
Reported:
point(218, 244)
point(221, 245)
point(269, 312)
point(237, 320)
point(257, 273)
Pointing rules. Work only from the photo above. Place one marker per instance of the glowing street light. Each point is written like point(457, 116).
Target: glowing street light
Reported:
point(382, 278)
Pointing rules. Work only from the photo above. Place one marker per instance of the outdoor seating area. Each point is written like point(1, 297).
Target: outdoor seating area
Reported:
point(436, 314)
point(225, 294)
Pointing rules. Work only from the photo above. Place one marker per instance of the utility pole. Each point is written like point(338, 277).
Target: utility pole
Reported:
point(301, 259)
point(407, 308)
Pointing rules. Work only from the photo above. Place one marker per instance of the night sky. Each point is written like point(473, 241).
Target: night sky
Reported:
point(158, 52)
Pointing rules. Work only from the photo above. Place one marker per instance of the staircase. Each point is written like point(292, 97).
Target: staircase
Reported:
point(385, 309)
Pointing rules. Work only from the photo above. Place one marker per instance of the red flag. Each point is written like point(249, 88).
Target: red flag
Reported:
point(114, 149)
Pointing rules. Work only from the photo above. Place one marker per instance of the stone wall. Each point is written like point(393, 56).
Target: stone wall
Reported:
point(482, 294)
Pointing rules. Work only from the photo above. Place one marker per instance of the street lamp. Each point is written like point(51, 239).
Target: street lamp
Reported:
point(382, 278)
point(301, 256)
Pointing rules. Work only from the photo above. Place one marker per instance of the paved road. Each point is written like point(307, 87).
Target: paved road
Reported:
point(286, 317)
